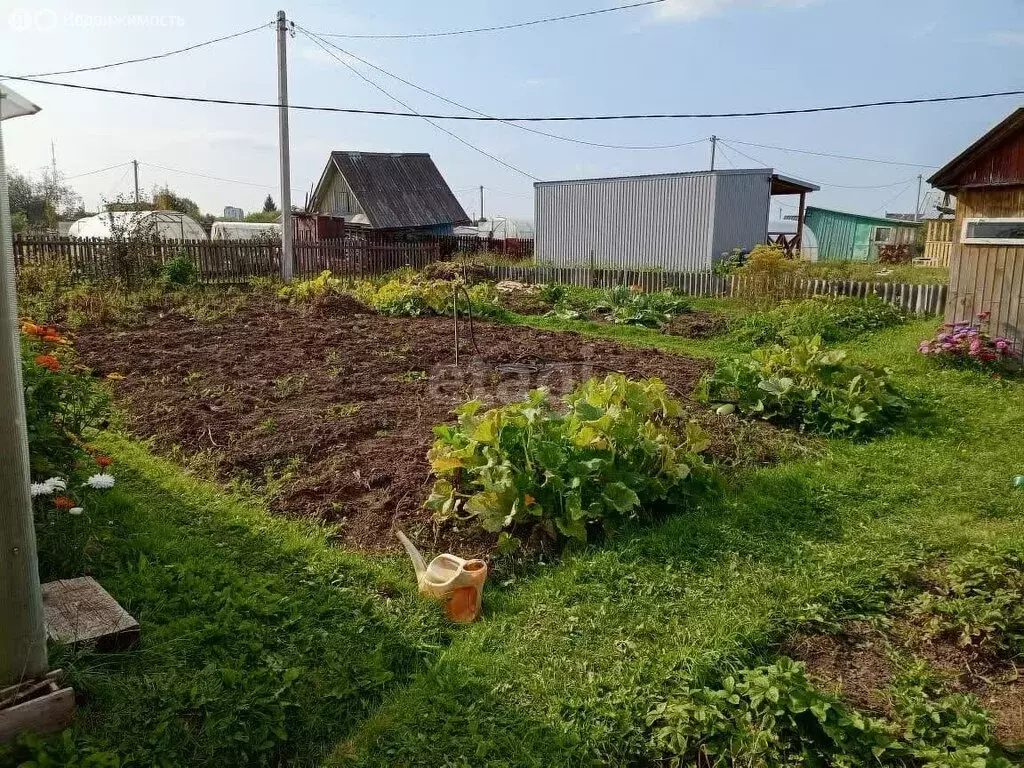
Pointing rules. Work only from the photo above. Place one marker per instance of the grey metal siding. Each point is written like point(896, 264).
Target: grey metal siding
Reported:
point(636, 222)
point(741, 211)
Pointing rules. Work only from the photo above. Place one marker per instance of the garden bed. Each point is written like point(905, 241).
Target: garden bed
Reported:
point(331, 410)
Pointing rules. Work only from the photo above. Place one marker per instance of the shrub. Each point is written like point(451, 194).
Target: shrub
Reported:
point(313, 289)
point(618, 449)
point(180, 270)
point(773, 715)
point(802, 385)
point(834, 319)
point(894, 253)
point(969, 345)
point(768, 274)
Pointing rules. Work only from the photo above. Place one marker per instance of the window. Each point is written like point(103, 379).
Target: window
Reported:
point(882, 234)
point(993, 232)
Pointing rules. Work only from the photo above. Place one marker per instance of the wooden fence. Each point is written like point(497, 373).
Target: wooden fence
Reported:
point(228, 261)
point(917, 299)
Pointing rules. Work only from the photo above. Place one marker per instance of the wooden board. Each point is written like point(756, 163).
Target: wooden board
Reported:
point(40, 706)
point(81, 611)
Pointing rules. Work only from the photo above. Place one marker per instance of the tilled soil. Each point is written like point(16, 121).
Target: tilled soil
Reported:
point(340, 401)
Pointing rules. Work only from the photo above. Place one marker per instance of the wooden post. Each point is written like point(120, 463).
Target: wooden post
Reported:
point(799, 244)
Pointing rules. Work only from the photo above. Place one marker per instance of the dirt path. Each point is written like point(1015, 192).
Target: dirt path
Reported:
point(346, 398)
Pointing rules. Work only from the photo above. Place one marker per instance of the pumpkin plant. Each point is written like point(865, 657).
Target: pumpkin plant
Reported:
point(619, 447)
point(803, 385)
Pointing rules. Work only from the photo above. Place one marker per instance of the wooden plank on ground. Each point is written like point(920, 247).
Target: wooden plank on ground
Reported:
point(81, 611)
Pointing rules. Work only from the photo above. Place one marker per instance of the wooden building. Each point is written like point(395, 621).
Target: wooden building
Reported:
point(986, 269)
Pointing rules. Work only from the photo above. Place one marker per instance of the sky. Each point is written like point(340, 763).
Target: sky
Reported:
point(674, 56)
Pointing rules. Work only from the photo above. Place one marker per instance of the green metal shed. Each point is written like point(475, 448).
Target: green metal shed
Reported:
point(852, 237)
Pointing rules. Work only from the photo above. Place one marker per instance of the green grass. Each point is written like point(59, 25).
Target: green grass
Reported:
point(261, 644)
point(567, 663)
point(264, 645)
point(875, 273)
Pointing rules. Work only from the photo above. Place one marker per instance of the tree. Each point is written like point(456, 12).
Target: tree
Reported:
point(263, 217)
point(38, 205)
point(269, 206)
point(166, 200)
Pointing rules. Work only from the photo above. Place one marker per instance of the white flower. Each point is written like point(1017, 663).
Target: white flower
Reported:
point(100, 482)
point(75, 511)
point(41, 489)
point(57, 484)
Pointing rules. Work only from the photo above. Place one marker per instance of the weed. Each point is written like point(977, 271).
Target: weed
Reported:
point(343, 410)
point(290, 385)
point(267, 426)
point(180, 270)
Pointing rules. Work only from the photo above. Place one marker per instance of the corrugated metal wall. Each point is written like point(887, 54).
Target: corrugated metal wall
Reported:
point(837, 234)
point(635, 222)
point(741, 211)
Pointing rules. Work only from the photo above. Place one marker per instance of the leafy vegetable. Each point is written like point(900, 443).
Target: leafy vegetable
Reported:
point(834, 319)
point(620, 447)
point(808, 387)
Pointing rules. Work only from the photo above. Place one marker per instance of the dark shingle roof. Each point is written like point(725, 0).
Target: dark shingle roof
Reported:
point(399, 189)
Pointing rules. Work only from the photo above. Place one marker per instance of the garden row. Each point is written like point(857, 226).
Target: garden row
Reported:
point(344, 396)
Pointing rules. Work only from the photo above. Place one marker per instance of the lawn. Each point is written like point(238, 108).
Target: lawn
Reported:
point(266, 643)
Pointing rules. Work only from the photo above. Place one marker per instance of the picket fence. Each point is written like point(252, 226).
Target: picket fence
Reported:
point(917, 299)
point(217, 262)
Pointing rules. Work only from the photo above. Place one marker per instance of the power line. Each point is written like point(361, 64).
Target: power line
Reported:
point(394, 98)
point(531, 119)
point(484, 114)
point(213, 178)
point(496, 28)
point(831, 154)
point(822, 183)
point(895, 197)
point(154, 57)
point(91, 173)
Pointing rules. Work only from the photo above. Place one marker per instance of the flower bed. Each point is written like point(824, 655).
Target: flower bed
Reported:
point(968, 344)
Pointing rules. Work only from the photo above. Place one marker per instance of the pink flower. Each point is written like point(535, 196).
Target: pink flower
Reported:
point(984, 315)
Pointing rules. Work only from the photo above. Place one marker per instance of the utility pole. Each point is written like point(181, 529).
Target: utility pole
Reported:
point(481, 203)
point(135, 167)
point(22, 631)
point(917, 211)
point(714, 142)
point(287, 255)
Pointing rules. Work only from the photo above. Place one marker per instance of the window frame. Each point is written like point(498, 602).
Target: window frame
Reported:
point(888, 233)
point(965, 240)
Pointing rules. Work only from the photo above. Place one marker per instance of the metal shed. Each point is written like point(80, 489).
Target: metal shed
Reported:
point(674, 221)
point(852, 237)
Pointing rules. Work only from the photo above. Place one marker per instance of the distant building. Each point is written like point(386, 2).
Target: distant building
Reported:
point(676, 221)
point(391, 191)
point(854, 237)
point(233, 214)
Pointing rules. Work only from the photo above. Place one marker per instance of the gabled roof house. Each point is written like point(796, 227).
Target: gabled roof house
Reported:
point(387, 190)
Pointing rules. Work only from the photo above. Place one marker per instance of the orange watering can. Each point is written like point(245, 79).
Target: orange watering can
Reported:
point(458, 583)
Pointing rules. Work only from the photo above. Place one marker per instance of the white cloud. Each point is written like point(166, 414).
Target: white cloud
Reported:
point(1006, 37)
point(691, 10)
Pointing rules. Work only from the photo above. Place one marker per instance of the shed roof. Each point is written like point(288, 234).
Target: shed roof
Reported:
point(875, 220)
point(397, 189)
point(947, 178)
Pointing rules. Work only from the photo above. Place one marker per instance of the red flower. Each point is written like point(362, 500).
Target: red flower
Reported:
point(48, 361)
point(64, 502)
point(104, 461)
